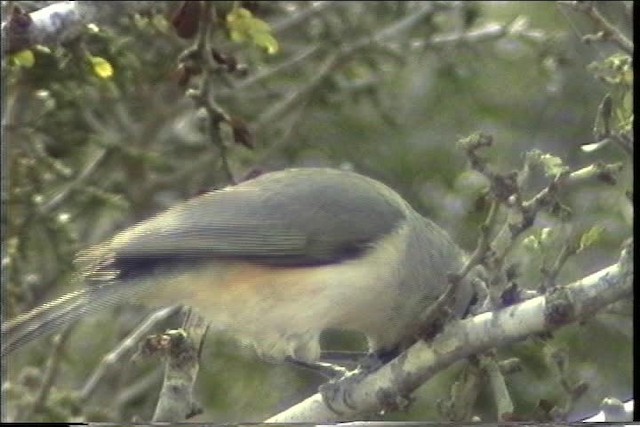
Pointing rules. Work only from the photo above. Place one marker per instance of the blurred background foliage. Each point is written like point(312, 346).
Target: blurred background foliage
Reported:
point(383, 88)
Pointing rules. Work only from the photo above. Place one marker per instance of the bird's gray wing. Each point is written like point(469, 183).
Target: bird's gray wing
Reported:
point(292, 218)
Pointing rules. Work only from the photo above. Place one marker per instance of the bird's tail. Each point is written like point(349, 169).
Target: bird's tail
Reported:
point(52, 316)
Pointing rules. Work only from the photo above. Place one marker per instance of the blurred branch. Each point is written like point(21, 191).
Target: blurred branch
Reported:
point(297, 58)
point(489, 33)
point(52, 369)
point(61, 21)
point(435, 311)
point(550, 274)
point(299, 94)
point(125, 346)
point(501, 396)
point(203, 96)
point(138, 389)
point(300, 17)
point(338, 58)
point(54, 202)
point(607, 31)
point(506, 189)
point(458, 406)
point(461, 339)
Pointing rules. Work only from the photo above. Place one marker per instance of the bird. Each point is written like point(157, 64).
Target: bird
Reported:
point(273, 261)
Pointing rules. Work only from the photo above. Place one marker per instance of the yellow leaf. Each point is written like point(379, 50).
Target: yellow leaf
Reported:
point(24, 58)
point(266, 41)
point(590, 237)
point(237, 36)
point(101, 67)
point(238, 14)
point(243, 26)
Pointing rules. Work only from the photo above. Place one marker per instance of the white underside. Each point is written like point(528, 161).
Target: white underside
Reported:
point(281, 312)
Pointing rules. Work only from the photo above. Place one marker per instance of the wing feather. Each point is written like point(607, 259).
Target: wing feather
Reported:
point(294, 217)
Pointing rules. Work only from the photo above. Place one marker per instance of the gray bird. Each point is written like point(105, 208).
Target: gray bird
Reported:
point(274, 261)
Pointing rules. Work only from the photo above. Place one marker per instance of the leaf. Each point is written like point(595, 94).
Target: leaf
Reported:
point(243, 26)
point(42, 49)
point(267, 41)
point(186, 20)
point(553, 165)
point(590, 237)
point(161, 23)
point(101, 67)
point(24, 58)
point(538, 240)
point(241, 133)
point(545, 236)
point(590, 148)
point(602, 125)
point(531, 243)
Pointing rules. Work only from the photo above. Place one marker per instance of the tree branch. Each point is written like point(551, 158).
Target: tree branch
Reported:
point(461, 339)
point(62, 22)
point(607, 31)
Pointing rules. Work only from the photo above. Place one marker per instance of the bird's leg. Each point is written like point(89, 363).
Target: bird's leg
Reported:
point(327, 370)
point(377, 359)
point(335, 393)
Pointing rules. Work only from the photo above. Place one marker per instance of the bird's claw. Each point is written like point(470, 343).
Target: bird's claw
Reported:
point(336, 393)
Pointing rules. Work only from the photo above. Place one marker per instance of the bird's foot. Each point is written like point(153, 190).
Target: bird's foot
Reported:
point(336, 393)
point(377, 359)
point(327, 370)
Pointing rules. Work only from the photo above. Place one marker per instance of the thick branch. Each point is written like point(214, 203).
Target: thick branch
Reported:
point(461, 339)
point(62, 21)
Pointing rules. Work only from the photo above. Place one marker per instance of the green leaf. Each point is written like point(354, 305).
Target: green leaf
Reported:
point(545, 236)
point(238, 36)
point(590, 237)
point(243, 26)
point(553, 165)
point(615, 70)
point(24, 58)
point(538, 240)
point(161, 23)
point(101, 67)
point(531, 243)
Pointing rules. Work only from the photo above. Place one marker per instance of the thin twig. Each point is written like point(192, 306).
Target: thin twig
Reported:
point(203, 96)
point(314, 9)
point(298, 57)
point(551, 274)
point(125, 346)
point(54, 202)
point(339, 57)
point(52, 369)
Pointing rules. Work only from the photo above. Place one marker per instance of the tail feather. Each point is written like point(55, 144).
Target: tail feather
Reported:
point(42, 320)
point(52, 316)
